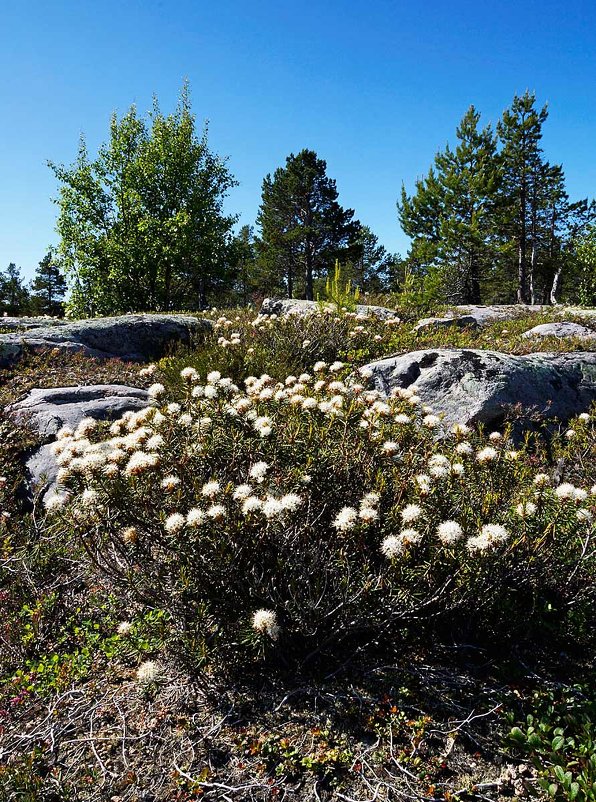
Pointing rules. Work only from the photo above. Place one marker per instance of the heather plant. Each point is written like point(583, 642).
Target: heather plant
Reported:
point(298, 519)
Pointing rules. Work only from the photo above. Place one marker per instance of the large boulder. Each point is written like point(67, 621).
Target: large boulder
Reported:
point(475, 386)
point(46, 411)
point(129, 337)
point(282, 307)
point(564, 330)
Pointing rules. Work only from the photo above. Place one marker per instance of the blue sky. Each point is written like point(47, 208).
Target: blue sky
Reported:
point(374, 87)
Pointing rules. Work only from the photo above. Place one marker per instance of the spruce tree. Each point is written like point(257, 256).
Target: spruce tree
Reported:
point(370, 269)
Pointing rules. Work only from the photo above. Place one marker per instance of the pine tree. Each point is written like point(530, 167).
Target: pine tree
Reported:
point(370, 269)
point(242, 264)
point(450, 216)
point(523, 185)
point(48, 288)
point(303, 227)
point(14, 297)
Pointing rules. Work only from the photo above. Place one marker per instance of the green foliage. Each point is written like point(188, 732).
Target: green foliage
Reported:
point(586, 253)
point(14, 297)
point(212, 560)
point(342, 296)
point(48, 288)
point(453, 209)
point(557, 737)
point(77, 624)
point(303, 227)
point(142, 226)
point(494, 216)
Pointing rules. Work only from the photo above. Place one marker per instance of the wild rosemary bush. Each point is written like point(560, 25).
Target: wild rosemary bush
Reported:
point(242, 344)
point(302, 519)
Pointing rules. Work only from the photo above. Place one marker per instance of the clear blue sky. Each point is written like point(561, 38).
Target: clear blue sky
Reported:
point(374, 87)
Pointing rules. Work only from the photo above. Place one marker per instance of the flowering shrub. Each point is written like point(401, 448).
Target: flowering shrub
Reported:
point(303, 518)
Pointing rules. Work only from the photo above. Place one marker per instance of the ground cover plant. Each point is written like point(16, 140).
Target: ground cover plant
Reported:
point(274, 583)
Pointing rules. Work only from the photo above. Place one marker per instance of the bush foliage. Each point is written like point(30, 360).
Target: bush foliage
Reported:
point(303, 518)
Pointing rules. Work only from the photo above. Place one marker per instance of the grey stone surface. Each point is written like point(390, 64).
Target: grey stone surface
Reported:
point(475, 386)
point(18, 323)
point(563, 329)
point(430, 323)
point(295, 306)
point(129, 337)
point(46, 411)
point(486, 315)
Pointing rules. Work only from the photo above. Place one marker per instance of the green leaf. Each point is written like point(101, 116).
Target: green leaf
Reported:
point(573, 790)
point(517, 735)
point(558, 743)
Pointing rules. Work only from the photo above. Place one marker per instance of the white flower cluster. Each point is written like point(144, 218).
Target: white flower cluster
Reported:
point(265, 623)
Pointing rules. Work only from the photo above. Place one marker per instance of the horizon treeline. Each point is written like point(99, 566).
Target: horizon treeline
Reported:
point(43, 295)
point(142, 228)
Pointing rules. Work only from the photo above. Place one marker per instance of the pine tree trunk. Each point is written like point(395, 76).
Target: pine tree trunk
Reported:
point(555, 285)
point(309, 295)
point(533, 247)
point(522, 276)
point(474, 279)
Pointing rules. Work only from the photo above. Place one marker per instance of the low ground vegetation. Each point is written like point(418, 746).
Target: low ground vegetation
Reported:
point(275, 584)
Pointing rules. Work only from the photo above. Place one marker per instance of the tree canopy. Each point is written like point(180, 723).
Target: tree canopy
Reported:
point(493, 216)
point(142, 225)
point(303, 227)
point(48, 288)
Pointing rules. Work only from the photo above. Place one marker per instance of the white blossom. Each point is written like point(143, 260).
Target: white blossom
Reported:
point(251, 504)
point(211, 489)
point(392, 546)
point(170, 482)
point(411, 513)
point(174, 522)
point(265, 622)
point(195, 517)
point(449, 532)
point(526, 509)
point(148, 672)
point(141, 462)
point(487, 454)
point(216, 511)
point(345, 519)
point(156, 390)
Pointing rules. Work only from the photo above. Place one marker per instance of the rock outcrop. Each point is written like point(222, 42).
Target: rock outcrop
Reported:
point(487, 315)
point(46, 411)
point(475, 386)
point(19, 323)
point(564, 329)
point(432, 323)
point(129, 337)
point(282, 307)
